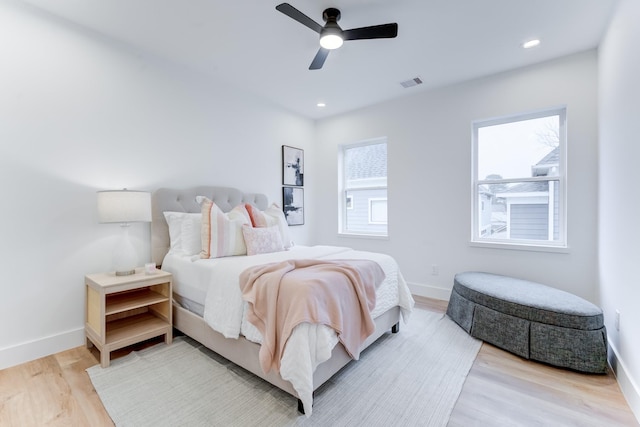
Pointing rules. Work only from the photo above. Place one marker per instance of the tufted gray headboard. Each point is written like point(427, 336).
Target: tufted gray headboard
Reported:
point(172, 200)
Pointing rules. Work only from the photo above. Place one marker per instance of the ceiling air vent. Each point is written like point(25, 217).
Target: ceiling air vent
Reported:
point(412, 82)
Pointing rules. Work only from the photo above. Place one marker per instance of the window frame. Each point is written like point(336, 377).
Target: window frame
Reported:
point(343, 189)
point(559, 245)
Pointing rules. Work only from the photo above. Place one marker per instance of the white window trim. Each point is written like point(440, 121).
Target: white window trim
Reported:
point(476, 239)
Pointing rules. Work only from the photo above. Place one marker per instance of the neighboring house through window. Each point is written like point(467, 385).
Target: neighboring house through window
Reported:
point(519, 180)
point(363, 188)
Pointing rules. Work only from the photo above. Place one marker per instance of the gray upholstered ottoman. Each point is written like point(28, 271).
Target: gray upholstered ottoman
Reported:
point(531, 320)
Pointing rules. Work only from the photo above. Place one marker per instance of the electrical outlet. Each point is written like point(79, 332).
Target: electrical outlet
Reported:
point(617, 320)
point(434, 270)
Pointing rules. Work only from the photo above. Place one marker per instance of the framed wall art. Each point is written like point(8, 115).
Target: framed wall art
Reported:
point(292, 166)
point(293, 205)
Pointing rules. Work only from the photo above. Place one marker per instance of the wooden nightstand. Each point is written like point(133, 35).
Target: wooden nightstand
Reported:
point(124, 310)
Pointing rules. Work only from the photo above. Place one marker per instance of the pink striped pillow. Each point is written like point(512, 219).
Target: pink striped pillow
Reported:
point(258, 219)
point(272, 216)
point(221, 233)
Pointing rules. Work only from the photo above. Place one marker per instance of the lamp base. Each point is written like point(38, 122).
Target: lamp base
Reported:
point(125, 258)
point(125, 273)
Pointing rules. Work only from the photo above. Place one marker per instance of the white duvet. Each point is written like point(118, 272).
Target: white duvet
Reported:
point(309, 345)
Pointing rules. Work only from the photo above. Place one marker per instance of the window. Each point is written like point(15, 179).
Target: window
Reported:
point(519, 180)
point(377, 211)
point(349, 201)
point(363, 188)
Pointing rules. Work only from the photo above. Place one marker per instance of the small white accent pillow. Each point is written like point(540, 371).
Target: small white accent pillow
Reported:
point(262, 240)
point(272, 216)
point(220, 233)
point(184, 232)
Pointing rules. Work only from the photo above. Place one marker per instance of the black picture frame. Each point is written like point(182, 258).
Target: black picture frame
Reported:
point(293, 205)
point(292, 166)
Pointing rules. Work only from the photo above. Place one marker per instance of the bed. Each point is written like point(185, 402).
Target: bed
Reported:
point(198, 306)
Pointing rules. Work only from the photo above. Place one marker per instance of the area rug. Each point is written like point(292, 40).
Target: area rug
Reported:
point(410, 378)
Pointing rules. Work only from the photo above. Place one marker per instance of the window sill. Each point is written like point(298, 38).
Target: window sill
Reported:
point(521, 247)
point(364, 236)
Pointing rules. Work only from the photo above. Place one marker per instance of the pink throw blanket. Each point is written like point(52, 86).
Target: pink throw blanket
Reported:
point(339, 294)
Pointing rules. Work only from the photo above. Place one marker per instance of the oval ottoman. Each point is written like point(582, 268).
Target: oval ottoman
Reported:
point(531, 320)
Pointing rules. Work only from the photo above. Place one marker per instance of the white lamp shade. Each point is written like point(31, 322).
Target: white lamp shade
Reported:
point(124, 206)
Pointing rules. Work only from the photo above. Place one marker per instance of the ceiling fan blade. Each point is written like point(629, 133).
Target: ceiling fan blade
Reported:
point(384, 31)
point(294, 13)
point(319, 59)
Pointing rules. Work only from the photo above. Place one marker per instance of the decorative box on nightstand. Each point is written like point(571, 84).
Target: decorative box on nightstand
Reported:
point(125, 310)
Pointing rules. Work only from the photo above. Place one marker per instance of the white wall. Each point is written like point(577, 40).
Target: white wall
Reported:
point(619, 204)
point(80, 113)
point(429, 179)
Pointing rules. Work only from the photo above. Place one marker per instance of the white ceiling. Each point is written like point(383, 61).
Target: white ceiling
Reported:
point(251, 45)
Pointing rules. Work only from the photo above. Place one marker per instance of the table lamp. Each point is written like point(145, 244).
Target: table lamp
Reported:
point(124, 207)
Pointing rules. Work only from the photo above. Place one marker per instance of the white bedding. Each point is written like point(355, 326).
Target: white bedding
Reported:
point(214, 283)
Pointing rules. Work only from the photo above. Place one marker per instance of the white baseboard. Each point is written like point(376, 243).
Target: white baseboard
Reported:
point(628, 386)
point(429, 291)
point(31, 350)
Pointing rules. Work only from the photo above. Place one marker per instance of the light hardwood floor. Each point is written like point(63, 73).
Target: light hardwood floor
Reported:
point(506, 390)
point(501, 390)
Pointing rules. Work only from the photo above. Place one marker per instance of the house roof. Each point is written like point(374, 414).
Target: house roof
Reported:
point(541, 168)
point(552, 158)
point(367, 161)
point(548, 165)
point(528, 187)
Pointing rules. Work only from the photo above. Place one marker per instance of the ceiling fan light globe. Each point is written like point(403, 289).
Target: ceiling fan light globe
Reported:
point(331, 41)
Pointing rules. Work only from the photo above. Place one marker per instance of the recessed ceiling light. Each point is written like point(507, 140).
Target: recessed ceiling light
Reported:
point(531, 43)
point(321, 104)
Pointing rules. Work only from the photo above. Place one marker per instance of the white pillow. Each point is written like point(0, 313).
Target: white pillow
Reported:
point(220, 233)
point(262, 240)
point(272, 216)
point(184, 232)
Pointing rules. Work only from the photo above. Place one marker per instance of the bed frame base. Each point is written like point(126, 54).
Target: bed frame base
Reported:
point(394, 330)
point(301, 405)
point(244, 353)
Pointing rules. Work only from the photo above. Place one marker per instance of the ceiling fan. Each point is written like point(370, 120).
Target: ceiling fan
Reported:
point(331, 35)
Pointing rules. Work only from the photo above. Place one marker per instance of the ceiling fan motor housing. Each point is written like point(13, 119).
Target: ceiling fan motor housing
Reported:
point(331, 14)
